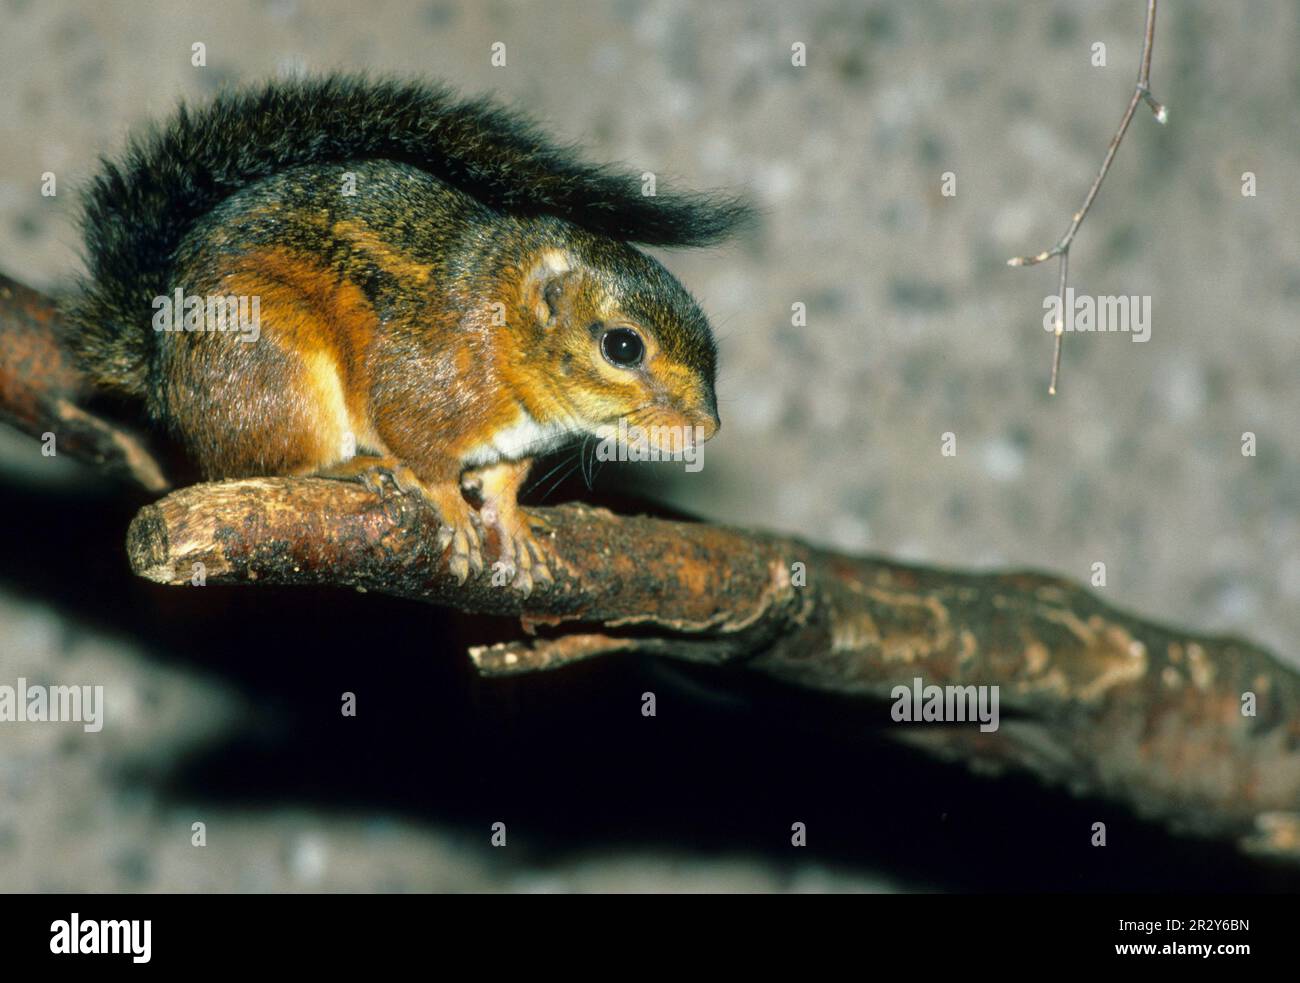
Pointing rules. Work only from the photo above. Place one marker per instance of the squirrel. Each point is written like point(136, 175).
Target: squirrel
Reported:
point(441, 294)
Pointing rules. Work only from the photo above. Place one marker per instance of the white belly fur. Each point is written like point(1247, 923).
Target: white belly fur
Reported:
point(525, 438)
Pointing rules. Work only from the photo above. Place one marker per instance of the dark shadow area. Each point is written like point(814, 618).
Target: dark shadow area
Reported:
point(566, 759)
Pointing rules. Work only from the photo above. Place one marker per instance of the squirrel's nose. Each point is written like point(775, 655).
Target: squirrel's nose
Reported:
point(709, 424)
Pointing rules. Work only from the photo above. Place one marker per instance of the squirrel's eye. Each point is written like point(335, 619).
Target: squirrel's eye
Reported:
point(622, 347)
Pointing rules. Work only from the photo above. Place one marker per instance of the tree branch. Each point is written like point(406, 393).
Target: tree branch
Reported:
point(1091, 698)
point(1101, 701)
point(42, 391)
point(1142, 92)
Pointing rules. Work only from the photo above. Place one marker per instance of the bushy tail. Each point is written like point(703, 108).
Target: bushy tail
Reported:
point(139, 208)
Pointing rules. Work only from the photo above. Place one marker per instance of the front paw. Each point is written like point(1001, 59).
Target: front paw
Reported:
point(466, 542)
point(523, 556)
point(459, 529)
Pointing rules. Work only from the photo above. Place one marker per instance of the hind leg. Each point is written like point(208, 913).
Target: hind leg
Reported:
point(460, 528)
point(246, 410)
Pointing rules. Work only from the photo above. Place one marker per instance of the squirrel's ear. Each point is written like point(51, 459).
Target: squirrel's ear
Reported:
point(545, 285)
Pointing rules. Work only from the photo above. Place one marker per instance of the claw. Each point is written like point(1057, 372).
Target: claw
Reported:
point(384, 480)
point(523, 583)
point(520, 549)
point(542, 574)
point(523, 555)
point(466, 551)
point(459, 532)
point(380, 476)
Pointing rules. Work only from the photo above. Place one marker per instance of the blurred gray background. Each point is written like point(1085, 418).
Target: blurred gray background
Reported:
point(831, 430)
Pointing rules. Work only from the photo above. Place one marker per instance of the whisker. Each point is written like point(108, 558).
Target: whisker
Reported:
point(565, 459)
point(559, 481)
point(588, 469)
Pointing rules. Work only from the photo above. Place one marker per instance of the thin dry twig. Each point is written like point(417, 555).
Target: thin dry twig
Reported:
point(1141, 93)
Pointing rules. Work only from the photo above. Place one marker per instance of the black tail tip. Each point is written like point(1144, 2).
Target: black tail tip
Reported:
point(692, 220)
